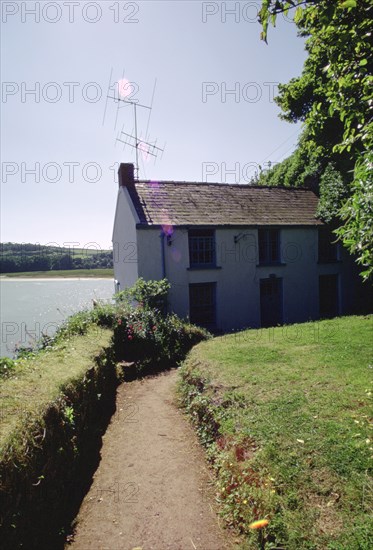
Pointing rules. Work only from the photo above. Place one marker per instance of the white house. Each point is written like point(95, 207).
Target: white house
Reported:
point(236, 255)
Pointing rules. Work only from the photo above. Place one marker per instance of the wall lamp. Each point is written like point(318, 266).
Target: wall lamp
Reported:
point(240, 236)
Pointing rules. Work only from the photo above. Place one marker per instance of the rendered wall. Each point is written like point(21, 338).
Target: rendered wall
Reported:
point(237, 275)
point(125, 241)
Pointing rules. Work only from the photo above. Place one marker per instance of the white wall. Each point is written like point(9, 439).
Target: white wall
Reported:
point(125, 253)
point(238, 274)
point(150, 253)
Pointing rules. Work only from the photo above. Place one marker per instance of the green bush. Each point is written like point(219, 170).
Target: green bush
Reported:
point(7, 367)
point(144, 333)
point(145, 336)
point(103, 314)
point(148, 294)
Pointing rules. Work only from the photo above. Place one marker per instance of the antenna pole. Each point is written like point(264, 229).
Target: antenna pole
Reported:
point(133, 141)
point(137, 143)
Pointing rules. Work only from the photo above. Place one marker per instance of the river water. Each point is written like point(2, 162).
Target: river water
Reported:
point(30, 308)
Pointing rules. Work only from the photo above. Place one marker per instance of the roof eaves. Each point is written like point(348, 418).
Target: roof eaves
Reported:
point(148, 225)
point(221, 184)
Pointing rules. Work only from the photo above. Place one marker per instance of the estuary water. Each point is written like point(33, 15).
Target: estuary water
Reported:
point(32, 307)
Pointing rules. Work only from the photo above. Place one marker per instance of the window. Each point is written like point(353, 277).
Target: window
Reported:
point(328, 251)
point(269, 246)
point(201, 247)
point(202, 304)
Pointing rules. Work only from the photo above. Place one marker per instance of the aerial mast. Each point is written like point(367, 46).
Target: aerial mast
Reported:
point(132, 139)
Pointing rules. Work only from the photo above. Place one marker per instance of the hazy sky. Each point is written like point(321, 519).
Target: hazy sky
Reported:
point(211, 79)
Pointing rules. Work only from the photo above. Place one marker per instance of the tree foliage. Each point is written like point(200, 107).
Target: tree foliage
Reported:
point(333, 191)
point(357, 233)
point(333, 98)
point(18, 257)
point(302, 169)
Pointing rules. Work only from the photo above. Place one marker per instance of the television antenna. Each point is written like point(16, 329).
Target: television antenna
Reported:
point(133, 140)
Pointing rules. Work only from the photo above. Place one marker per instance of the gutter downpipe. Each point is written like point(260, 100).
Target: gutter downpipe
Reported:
point(161, 236)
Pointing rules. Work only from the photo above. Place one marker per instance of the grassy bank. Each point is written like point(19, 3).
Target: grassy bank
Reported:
point(286, 416)
point(64, 273)
point(54, 410)
point(38, 381)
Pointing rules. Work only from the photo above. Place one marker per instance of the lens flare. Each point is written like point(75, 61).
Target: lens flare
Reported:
point(124, 87)
point(167, 229)
point(176, 255)
point(144, 148)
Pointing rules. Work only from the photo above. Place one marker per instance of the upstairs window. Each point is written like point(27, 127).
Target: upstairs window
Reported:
point(201, 247)
point(269, 246)
point(328, 250)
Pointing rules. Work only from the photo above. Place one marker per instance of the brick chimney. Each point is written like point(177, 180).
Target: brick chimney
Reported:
point(126, 175)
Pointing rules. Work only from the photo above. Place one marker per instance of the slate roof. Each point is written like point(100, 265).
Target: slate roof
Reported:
point(184, 204)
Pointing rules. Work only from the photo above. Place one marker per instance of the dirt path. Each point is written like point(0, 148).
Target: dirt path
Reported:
point(151, 487)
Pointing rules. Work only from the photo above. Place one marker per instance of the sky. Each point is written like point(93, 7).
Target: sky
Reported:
point(200, 66)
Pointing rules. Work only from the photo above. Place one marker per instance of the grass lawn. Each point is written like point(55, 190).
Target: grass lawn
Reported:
point(286, 416)
point(68, 273)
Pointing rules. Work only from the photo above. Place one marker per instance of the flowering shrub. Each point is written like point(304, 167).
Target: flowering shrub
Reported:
point(145, 336)
point(144, 333)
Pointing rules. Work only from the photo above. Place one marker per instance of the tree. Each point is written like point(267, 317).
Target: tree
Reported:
point(357, 211)
point(333, 99)
point(333, 191)
point(302, 169)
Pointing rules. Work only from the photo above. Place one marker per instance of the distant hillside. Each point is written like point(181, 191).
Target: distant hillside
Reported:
point(19, 257)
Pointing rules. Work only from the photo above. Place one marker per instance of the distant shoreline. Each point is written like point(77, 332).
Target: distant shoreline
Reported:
point(71, 274)
point(47, 279)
